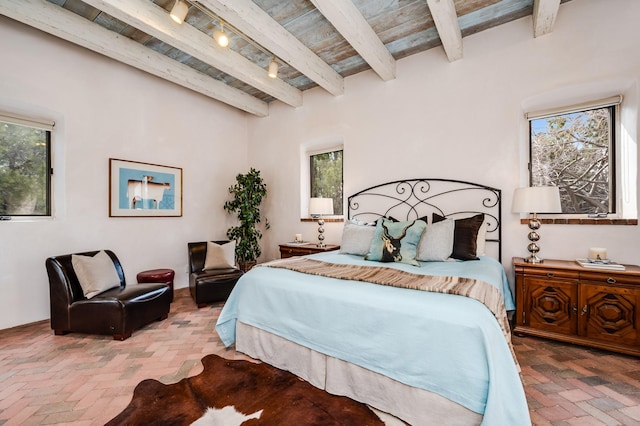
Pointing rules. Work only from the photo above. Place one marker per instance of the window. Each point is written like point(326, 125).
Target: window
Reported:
point(25, 165)
point(574, 150)
point(325, 172)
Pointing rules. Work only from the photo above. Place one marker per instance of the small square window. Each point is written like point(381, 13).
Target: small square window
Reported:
point(25, 164)
point(575, 152)
point(325, 172)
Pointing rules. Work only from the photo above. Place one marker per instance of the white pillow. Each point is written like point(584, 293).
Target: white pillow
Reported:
point(356, 239)
point(436, 243)
point(95, 274)
point(220, 256)
point(481, 242)
point(361, 222)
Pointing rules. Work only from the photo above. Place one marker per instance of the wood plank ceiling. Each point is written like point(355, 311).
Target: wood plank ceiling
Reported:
point(314, 42)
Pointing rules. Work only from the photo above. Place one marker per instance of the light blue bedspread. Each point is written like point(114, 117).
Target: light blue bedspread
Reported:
point(448, 344)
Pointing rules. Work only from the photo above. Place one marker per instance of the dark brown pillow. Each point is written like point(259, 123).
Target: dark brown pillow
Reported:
point(465, 235)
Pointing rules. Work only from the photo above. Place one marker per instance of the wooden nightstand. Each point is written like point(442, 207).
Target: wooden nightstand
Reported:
point(289, 250)
point(561, 300)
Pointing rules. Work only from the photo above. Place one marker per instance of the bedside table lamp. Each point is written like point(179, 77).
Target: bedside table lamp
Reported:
point(534, 200)
point(317, 208)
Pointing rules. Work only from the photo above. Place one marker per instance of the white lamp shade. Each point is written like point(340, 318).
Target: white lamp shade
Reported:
point(320, 206)
point(537, 199)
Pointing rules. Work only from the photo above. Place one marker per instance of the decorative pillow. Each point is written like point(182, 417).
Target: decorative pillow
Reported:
point(481, 241)
point(391, 218)
point(436, 243)
point(375, 222)
point(465, 236)
point(356, 239)
point(396, 241)
point(95, 274)
point(362, 222)
point(220, 256)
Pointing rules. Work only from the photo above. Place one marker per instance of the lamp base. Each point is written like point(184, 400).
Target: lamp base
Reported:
point(534, 225)
point(321, 242)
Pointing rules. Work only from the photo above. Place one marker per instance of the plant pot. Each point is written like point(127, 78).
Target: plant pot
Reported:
point(246, 265)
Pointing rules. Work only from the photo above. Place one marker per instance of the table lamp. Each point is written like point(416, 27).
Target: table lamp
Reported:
point(319, 207)
point(534, 200)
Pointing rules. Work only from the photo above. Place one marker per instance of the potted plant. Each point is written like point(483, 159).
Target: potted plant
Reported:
point(248, 193)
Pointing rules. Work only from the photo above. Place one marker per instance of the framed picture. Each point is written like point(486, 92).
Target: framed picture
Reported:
point(143, 189)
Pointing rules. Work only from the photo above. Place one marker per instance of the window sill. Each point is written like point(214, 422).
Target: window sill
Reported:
point(326, 219)
point(24, 219)
point(583, 221)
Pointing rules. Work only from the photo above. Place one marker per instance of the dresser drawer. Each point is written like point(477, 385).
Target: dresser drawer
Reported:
point(289, 251)
point(552, 273)
point(610, 277)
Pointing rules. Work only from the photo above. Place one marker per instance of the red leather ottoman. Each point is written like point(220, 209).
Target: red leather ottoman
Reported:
point(161, 276)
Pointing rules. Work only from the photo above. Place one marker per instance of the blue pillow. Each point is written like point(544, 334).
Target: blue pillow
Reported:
point(396, 241)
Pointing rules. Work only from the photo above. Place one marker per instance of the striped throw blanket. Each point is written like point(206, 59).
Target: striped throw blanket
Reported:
point(481, 291)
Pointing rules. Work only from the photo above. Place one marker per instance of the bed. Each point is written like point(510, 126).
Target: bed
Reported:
point(426, 357)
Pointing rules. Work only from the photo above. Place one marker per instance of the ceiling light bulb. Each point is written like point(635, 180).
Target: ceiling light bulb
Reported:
point(273, 68)
point(179, 11)
point(220, 36)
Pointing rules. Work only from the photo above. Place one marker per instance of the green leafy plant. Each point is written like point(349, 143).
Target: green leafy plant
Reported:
point(248, 193)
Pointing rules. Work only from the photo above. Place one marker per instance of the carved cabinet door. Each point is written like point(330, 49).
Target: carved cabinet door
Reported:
point(609, 313)
point(551, 304)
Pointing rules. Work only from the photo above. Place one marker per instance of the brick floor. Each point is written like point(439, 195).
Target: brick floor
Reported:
point(81, 379)
point(572, 385)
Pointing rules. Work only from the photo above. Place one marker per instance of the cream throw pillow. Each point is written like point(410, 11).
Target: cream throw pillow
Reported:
point(356, 239)
point(481, 242)
point(95, 274)
point(436, 243)
point(220, 256)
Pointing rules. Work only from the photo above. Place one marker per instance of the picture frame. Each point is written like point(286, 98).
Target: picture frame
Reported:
point(139, 189)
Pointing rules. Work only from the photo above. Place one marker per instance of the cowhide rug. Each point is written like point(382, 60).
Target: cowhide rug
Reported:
point(240, 392)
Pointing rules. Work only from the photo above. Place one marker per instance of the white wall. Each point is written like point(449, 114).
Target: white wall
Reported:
point(104, 109)
point(459, 120)
point(462, 120)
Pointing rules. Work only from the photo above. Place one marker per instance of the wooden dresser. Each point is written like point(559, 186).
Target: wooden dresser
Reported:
point(289, 250)
point(559, 299)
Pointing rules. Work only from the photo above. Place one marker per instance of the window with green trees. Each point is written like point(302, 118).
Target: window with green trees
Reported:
point(325, 171)
point(25, 186)
point(575, 152)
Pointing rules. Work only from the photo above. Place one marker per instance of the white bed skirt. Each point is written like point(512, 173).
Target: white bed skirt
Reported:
point(412, 405)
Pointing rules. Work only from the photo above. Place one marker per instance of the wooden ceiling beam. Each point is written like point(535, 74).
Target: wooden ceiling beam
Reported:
point(255, 23)
point(55, 20)
point(155, 21)
point(446, 21)
point(544, 16)
point(349, 22)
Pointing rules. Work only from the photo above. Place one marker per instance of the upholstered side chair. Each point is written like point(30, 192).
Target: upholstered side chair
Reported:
point(209, 285)
point(116, 311)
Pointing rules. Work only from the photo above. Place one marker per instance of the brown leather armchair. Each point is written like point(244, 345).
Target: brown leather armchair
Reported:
point(209, 286)
point(117, 311)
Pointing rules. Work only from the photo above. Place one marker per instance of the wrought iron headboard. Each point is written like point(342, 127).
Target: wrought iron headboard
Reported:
point(416, 198)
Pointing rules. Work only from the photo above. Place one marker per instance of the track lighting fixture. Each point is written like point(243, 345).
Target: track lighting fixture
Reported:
point(179, 11)
point(273, 68)
point(220, 36)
